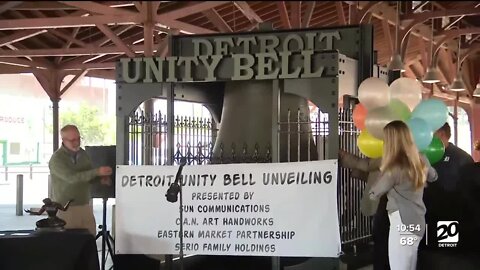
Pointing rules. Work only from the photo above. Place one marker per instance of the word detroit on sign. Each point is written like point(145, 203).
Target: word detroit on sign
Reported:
point(276, 209)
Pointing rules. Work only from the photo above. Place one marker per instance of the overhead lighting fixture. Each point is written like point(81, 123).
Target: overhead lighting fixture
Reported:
point(432, 75)
point(396, 62)
point(458, 85)
point(476, 93)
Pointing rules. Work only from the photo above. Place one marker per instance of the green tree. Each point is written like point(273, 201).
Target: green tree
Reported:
point(95, 128)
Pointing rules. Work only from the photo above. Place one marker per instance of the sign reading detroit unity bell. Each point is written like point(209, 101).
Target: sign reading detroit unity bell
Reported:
point(249, 56)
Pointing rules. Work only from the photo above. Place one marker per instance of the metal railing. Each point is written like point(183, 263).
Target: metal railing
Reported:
point(195, 138)
point(23, 185)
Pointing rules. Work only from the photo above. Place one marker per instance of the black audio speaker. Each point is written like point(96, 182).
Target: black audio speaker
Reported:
point(102, 156)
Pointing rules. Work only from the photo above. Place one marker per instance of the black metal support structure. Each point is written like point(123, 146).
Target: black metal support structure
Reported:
point(107, 239)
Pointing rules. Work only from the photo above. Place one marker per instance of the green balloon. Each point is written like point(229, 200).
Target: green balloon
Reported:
point(400, 109)
point(435, 150)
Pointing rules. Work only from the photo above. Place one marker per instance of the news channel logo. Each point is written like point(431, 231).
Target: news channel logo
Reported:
point(447, 233)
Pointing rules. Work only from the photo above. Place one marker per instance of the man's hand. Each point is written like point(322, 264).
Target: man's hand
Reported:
point(106, 180)
point(104, 171)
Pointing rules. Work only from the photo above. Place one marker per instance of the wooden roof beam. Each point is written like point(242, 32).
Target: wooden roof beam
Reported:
point(296, 14)
point(74, 80)
point(69, 38)
point(340, 13)
point(69, 51)
point(9, 5)
point(22, 62)
point(97, 8)
point(282, 9)
point(245, 8)
point(19, 36)
point(421, 17)
point(68, 22)
point(189, 9)
point(110, 34)
point(452, 34)
point(217, 20)
point(308, 14)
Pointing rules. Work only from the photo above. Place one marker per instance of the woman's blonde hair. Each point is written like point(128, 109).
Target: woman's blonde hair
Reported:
point(400, 151)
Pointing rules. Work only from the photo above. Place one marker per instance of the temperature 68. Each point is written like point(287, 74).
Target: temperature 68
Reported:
point(408, 240)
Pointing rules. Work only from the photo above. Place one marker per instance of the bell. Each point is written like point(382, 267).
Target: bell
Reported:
point(247, 121)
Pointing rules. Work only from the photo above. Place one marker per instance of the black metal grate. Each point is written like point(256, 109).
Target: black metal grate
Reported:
point(195, 138)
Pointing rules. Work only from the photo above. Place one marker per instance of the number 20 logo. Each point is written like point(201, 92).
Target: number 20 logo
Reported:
point(447, 231)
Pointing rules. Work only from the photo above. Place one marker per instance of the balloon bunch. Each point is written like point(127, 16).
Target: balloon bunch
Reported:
point(402, 100)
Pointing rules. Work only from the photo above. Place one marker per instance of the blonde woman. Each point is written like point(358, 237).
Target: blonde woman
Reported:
point(404, 172)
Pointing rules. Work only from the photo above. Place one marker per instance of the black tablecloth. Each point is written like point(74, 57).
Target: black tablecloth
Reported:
point(68, 250)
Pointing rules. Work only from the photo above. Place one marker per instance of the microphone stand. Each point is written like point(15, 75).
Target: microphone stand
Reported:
point(171, 195)
point(181, 227)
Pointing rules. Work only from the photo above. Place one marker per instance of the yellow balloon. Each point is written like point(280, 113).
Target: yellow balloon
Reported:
point(369, 145)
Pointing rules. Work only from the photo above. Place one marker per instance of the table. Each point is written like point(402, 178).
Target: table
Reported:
point(29, 250)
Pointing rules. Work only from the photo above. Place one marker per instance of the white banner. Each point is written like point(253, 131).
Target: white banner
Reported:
point(270, 209)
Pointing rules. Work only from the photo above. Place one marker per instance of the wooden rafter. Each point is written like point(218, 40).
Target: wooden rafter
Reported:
point(9, 5)
point(388, 37)
point(472, 49)
point(68, 22)
point(69, 38)
point(38, 41)
point(421, 17)
point(19, 36)
point(296, 14)
point(75, 79)
point(424, 56)
point(308, 13)
point(282, 10)
point(189, 9)
point(69, 43)
point(245, 8)
point(359, 16)
point(162, 49)
point(217, 20)
point(97, 43)
point(69, 51)
point(149, 13)
point(421, 5)
point(110, 34)
point(451, 34)
point(97, 8)
point(23, 62)
point(341, 13)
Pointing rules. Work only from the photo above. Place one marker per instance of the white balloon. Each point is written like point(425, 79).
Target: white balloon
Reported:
point(373, 93)
point(407, 90)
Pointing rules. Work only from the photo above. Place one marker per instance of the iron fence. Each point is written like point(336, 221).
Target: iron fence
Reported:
point(195, 137)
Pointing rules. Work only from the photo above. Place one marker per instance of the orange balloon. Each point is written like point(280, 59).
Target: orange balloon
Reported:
point(359, 115)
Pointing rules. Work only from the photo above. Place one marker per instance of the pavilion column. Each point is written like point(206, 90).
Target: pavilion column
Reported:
point(50, 80)
point(55, 123)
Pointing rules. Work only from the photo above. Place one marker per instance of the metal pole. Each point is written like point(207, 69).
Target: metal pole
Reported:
point(19, 194)
point(55, 124)
point(181, 223)
point(55, 132)
point(276, 92)
point(455, 120)
point(50, 190)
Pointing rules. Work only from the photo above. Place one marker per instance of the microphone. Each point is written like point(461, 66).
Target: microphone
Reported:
point(174, 188)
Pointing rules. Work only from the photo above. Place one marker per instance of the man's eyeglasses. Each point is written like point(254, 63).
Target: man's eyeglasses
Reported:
point(72, 140)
